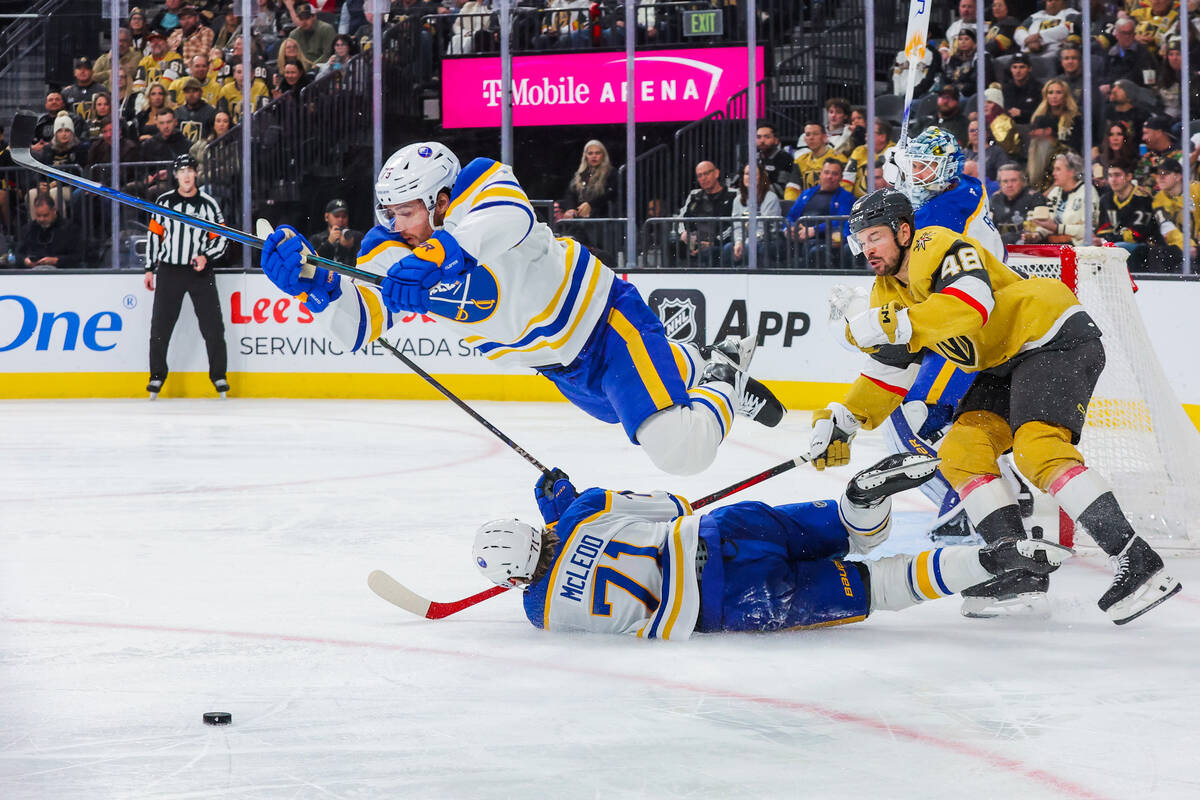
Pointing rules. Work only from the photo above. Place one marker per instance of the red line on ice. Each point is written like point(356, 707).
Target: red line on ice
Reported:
point(994, 760)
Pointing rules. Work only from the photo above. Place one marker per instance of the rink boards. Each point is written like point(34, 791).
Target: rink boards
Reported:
point(85, 335)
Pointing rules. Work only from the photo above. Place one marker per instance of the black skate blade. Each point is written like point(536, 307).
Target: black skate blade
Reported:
point(1153, 605)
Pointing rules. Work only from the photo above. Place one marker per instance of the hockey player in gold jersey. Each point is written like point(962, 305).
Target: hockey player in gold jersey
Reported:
point(1038, 356)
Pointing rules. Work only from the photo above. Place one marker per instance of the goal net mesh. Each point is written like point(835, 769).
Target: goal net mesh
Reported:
point(1136, 433)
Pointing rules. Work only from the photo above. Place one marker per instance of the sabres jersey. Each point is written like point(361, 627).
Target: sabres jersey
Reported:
point(528, 298)
point(626, 565)
point(964, 209)
point(964, 304)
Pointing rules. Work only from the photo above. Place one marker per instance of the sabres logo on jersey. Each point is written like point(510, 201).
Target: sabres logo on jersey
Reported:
point(923, 239)
point(469, 299)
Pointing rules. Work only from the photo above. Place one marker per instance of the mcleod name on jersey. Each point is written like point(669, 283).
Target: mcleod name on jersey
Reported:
point(626, 565)
point(529, 299)
point(966, 305)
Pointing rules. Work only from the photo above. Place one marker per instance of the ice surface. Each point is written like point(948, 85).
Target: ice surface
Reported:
point(165, 559)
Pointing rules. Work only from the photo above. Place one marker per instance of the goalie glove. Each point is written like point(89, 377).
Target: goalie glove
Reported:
point(833, 428)
point(886, 324)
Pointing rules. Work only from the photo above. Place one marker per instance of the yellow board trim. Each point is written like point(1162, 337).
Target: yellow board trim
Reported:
point(641, 359)
point(795, 395)
point(923, 570)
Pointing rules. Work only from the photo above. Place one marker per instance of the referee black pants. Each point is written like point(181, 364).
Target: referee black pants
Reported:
point(171, 284)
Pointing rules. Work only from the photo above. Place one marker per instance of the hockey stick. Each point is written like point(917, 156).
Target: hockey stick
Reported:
point(24, 126)
point(401, 596)
point(915, 43)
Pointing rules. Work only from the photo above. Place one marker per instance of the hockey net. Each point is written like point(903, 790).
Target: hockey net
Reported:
point(1136, 432)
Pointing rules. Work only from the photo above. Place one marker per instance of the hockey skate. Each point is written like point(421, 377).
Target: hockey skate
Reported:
point(222, 387)
point(1036, 556)
point(1009, 594)
point(154, 388)
point(891, 475)
point(728, 361)
point(1139, 585)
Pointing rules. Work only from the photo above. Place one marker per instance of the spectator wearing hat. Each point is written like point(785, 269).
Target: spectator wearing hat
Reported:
point(1160, 147)
point(85, 86)
point(949, 115)
point(1168, 215)
point(64, 149)
point(1156, 20)
point(994, 156)
point(338, 241)
point(100, 150)
point(1001, 128)
point(1013, 203)
point(315, 36)
point(162, 64)
point(966, 17)
point(190, 38)
point(198, 70)
point(1022, 91)
point(127, 56)
point(47, 242)
point(139, 31)
point(195, 116)
point(231, 26)
point(1168, 86)
point(1127, 59)
point(960, 69)
point(1121, 106)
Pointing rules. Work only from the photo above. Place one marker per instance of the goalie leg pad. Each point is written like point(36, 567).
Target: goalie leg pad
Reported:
point(972, 446)
point(1042, 452)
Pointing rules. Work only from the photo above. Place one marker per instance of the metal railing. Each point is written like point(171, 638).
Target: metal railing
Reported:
point(712, 242)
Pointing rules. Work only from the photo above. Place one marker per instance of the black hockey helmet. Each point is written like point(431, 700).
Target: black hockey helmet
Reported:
point(184, 161)
point(881, 207)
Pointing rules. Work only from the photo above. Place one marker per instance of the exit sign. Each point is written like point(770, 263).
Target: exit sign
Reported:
point(707, 22)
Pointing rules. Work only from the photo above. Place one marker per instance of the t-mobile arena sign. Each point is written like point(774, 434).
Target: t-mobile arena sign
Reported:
point(589, 88)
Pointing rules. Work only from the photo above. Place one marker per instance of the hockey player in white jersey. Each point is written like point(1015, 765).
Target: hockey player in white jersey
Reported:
point(644, 565)
point(465, 247)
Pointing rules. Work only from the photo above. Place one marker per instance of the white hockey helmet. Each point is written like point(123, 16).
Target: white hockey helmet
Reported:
point(929, 164)
point(416, 172)
point(506, 550)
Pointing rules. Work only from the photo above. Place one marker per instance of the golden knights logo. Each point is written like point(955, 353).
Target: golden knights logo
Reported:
point(922, 240)
point(959, 350)
point(681, 312)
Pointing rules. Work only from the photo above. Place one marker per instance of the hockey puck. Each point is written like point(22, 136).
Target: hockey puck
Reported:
point(217, 718)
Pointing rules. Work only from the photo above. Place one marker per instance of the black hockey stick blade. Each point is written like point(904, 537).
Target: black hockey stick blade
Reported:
point(24, 126)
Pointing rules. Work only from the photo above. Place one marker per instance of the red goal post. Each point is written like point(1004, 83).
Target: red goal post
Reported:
point(1136, 433)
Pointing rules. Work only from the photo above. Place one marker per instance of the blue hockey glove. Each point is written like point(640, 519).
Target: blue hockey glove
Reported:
point(281, 263)
point(407, 285)
point(442, 249)
point(554, 493)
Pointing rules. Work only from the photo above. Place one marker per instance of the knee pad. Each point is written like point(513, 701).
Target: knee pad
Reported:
point(1042, 451)
point(679, 440)
point(972, 446)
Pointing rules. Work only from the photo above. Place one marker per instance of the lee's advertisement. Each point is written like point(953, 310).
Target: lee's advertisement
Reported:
point(87, 335)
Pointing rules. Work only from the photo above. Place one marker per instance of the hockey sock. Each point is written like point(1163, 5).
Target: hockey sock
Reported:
point(867, 526)
point(1087, 499)
point(898, 582)
point(992, 507)
point(690, 361)
point(717, 398)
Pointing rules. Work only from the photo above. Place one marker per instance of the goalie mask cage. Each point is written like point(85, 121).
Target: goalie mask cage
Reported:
point(1136, 433)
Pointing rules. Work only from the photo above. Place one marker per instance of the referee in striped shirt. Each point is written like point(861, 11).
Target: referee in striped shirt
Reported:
point(181, 255)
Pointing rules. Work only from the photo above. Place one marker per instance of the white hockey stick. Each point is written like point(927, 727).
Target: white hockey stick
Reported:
point(915, 44)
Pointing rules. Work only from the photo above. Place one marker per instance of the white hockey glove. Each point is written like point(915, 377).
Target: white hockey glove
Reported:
point(886, 324)
point(845, 302)
point(833, 428)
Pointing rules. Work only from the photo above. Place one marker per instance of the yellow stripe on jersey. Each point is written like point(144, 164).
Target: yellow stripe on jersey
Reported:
point(566, 546)
point(720, 401)
point(940, 382)
point(641, 359)
point(681, 362)
point(380, 248)
point(581, 305)
point(978, 210)
point(923, 567)
point(374, 311)
point(842, 621)
point(676, 547)
point(501, 191)
point(562, 287)
point(482, 179)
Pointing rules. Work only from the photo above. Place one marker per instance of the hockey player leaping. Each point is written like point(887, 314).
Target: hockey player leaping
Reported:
point(464, 246)
point(643, 565)
point(1038, 356)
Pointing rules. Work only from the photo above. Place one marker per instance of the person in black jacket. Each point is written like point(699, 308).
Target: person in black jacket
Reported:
point(774, 159)
point(47, 241)
point(338, 241)
point(701, 242)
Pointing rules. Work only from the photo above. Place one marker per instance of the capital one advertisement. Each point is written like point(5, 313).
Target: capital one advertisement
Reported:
point(590, 88)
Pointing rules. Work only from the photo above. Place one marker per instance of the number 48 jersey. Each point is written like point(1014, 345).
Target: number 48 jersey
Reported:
point(626, 565)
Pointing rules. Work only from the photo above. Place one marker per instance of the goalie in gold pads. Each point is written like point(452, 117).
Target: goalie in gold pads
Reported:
point(1038, 354)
